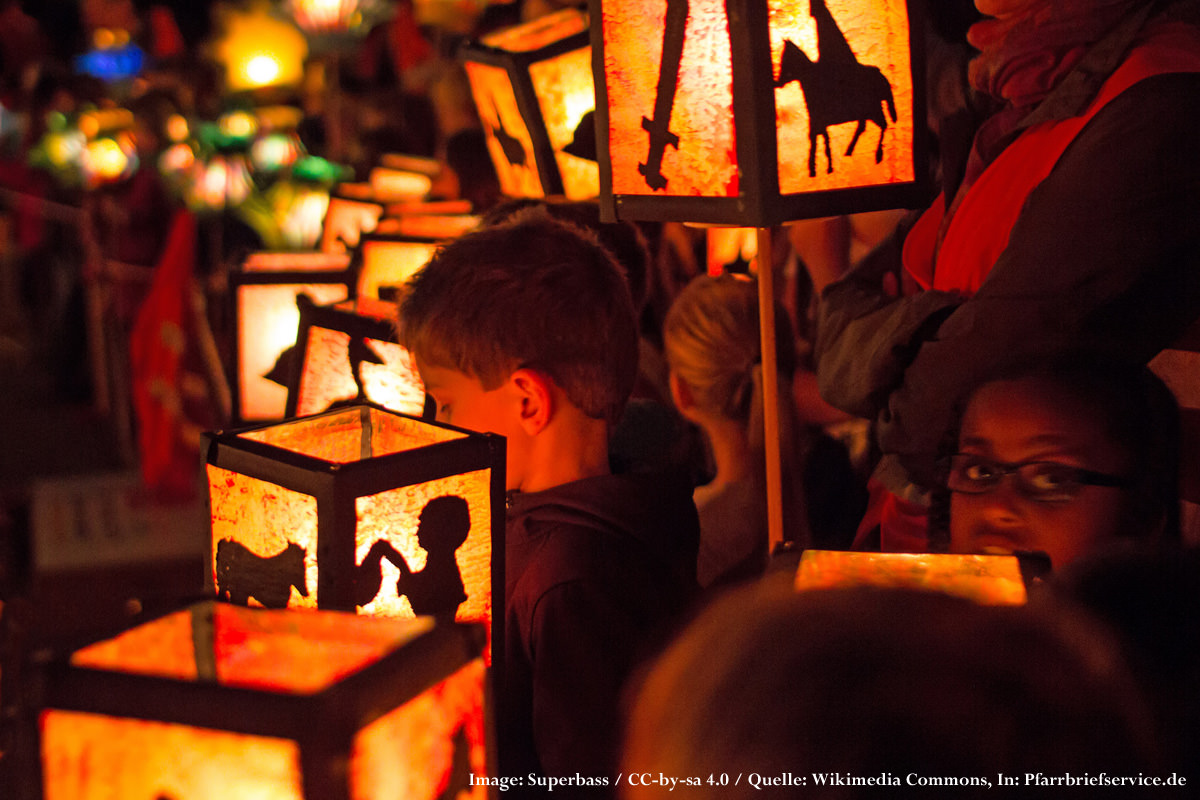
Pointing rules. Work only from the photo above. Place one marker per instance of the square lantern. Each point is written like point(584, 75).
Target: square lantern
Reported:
point(387, 258)
point(533, 87)
point(986, 579)
point(264, 292)
point(756, 112)
point(359, 508)
point(220, 702)
point(348, 352)
point(353, 210)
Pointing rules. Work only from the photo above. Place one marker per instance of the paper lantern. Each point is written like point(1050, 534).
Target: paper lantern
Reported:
point(754, 113)
point(349, 352)
point(730, 250)
point(533, 87)
point(263, 291)
point(385, 261)
point(353, 211)
point(991, 580)
point(396, 185)
point(219, 702)
point(359, 508)
point(257, 48)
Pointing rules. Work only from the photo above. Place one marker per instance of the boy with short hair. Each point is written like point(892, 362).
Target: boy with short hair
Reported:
point(526, 329)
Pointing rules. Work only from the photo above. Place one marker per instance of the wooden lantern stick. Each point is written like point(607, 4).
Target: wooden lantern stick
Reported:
point(770, 398)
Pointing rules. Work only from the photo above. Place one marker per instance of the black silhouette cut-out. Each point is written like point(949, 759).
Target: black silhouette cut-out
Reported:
point(438, 588)
point(837, 88)
point(514, 151)
point(460, 766)
point(359, 353)
point(674, 26)
point(583, 142)
point(242, 574)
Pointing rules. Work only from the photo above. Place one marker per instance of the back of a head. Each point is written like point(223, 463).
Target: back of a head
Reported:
point(531, 292)
point(711, 341)
point(886, 683)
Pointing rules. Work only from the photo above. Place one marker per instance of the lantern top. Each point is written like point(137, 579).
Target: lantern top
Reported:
point(986, 579)
point(274, 650)
point(354, 433)
point(285, 261)
point(538, 33)
point(428, 226)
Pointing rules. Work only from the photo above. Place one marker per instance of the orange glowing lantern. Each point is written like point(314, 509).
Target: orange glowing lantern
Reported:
point(219, 702)
point(754, 113)
point(987, 579)
point(353, 211)
point(348, 352)
point(258, 49)
point(396, 185)
point(532, 84)
point(359, 507)
point(731, 250)
point(263, 292)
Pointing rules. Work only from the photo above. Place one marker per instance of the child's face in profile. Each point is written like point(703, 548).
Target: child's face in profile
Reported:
point(461, 400)
point(1044, 507)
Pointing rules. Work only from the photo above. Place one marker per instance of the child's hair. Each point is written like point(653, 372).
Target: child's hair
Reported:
point(530, 292)
point(1140, 416)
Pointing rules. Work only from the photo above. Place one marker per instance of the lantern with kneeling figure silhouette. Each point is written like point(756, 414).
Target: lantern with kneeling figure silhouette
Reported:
point(358, 508)
point(220, 702)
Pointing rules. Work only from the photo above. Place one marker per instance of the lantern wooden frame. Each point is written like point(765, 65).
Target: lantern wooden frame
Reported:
point(342, 318)
point(517, 64)
point(278, 269)
point(337, 486)
point(759, 201)
point(323, 724)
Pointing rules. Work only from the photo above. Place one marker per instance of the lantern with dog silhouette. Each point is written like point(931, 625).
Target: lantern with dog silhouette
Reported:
point(533, 87)
point(219, 702)
point(358, 508)
point(755, 112)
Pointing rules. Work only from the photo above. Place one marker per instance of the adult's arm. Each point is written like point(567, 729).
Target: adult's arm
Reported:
point(1105, 255)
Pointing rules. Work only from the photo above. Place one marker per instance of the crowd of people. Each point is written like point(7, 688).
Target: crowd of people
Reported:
point(982, 376)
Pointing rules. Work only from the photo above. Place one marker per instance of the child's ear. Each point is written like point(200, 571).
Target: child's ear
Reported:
point(536, 398)
point(681, 393)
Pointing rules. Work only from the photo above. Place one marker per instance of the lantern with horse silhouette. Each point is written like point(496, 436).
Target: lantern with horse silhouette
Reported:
point(347, 352)
point(755, 112)
point(219, 702)
point(263, 291)
point(358, 508)
point(533, 87)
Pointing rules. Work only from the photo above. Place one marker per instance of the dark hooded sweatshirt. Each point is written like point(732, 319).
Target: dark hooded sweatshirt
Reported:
point(599, 573)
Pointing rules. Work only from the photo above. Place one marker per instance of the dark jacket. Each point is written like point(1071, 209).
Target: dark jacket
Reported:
point(599, 572)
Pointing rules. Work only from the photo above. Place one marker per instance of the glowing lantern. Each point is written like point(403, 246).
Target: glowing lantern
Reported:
point(387, 258)
point(258, 49)
point(109, 159)
point(219, 702)
point(755, 113)
point(348, 352)
point(353, 211)
point(992, 580)
point(359, 508)
point(394, 185)
point(532, 84)
point(731, 250)
point(264, 292)
point(330, 23)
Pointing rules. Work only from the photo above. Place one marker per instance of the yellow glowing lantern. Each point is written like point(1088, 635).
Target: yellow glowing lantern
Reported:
point(394, 185)
point(258, 49)
point(219, 702)
point(348, 352)
point(755, 112)
point(263, 291)
point(387, 258)
point(353, 211)
point(731, 249)
point(359, 508)
point(991, 580)
point(532, 85)
point(109, 159)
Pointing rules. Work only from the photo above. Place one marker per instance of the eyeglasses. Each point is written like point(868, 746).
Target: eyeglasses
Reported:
point(1046, 481)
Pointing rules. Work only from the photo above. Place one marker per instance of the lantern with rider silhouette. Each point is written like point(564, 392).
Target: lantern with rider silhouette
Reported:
point(756, 112)
point(358, 508)
point(532, 84)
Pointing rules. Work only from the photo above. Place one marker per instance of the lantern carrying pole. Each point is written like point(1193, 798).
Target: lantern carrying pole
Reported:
point(770, 398)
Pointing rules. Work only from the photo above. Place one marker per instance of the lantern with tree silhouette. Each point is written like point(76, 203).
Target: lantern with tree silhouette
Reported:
point(358, 508)
point(533, 86)
point(219, 702)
